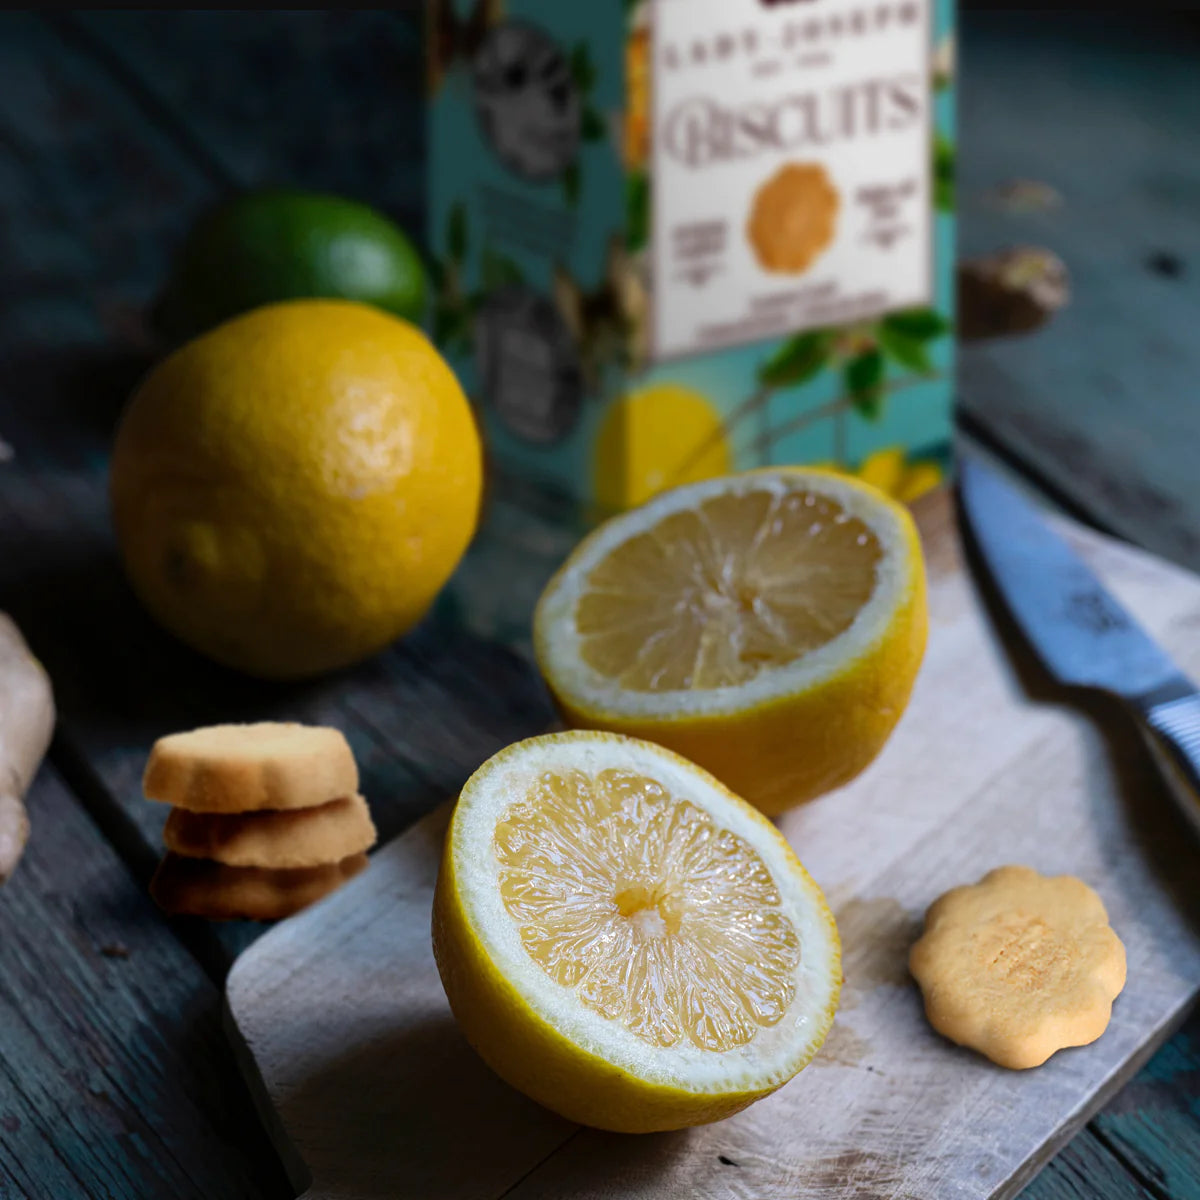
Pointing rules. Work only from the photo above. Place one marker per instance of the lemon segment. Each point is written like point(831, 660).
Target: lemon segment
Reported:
point(627, 941)
point(768, 625)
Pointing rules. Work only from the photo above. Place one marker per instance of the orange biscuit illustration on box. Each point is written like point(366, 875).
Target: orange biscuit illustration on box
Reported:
point(793, 218)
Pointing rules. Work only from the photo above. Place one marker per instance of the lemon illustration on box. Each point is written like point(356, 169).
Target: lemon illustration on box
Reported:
point(670, 216)
point(663, 434)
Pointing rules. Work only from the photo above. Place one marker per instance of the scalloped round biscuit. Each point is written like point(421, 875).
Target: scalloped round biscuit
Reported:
point(1019, 965)
point(244, 768)
point(200, 888)
point(302, 837)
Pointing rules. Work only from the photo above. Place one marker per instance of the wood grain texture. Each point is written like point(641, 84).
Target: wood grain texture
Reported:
point(1101, 401)
point(115, 1077)
point(324, 100)
point(1154, 1122)
point(91, 193)
point(1086, 1169)
point(984, 769)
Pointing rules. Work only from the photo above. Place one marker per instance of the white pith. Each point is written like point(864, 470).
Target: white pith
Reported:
point(776, 1052)
point(559, 642)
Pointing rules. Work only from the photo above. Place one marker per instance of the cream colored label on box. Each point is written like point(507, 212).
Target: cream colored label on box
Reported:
point(791, 166)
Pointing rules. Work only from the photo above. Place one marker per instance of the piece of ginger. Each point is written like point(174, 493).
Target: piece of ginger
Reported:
point(26, 724)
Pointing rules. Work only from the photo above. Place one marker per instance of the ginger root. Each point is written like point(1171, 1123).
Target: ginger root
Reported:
point(26, 723)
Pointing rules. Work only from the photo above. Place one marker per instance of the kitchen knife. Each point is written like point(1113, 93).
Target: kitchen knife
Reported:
point(1080, 632)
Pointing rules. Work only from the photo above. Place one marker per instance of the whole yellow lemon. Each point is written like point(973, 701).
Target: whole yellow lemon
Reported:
point(291, 490)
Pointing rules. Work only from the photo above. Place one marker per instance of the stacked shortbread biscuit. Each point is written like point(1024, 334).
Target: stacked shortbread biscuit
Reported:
point(266, 819)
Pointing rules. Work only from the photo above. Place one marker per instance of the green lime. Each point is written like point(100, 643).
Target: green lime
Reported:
point(281, 245)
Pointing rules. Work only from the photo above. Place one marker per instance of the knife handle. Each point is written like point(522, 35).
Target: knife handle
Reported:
point(1172, 729)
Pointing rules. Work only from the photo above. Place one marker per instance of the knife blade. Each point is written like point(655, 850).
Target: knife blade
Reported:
point(1080, 631)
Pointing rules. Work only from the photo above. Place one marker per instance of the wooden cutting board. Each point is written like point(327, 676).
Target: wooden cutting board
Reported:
point(370, 1091)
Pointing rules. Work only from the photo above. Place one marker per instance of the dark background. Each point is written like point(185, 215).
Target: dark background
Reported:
point(118, 128)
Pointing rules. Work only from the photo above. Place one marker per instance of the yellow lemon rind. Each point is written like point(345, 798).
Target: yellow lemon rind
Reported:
point(529, 1050)
point(846, 711)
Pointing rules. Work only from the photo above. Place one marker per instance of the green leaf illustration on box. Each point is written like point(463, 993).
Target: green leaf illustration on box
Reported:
point(908, 351)
point(592, 126)
point(571, 184)
point(455, 307)
point(798, 359)
point(498, 270)
point(918, 324)
point(943, 173)
point(583, 71)
point(863, 377)
point(861, 353)
point(637, 209)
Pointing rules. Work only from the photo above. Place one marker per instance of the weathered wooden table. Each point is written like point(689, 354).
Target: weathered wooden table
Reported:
point(115, 1075)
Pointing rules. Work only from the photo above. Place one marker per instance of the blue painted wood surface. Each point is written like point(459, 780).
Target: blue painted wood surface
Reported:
point(1104, 399)
point(116, 1078)
point(116, 129)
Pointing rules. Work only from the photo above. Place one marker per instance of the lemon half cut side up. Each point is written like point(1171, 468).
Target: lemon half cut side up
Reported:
point(627, 941)
point(768, 625)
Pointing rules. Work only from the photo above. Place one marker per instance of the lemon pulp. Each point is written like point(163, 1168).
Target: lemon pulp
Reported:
point(710, 596)
point(654, 915)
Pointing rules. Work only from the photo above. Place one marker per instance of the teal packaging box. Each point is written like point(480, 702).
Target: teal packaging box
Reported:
point(675, 238)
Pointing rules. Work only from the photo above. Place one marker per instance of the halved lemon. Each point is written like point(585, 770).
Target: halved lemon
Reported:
point(769, 626)
point(625, 940)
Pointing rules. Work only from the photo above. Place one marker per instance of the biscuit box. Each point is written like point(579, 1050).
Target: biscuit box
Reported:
point(674, 238)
